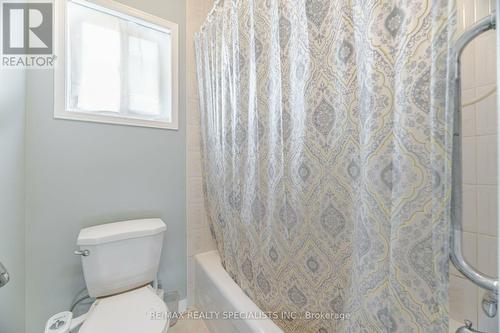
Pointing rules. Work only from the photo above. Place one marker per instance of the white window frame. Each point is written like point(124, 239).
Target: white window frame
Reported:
point(60, 111)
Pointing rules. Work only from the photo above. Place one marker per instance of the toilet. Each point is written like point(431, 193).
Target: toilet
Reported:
point(120, 261)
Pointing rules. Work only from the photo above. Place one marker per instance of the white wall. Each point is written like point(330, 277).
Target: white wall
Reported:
point(80, 174)
point(480, 180)
point(199, 236)
point(12, 116)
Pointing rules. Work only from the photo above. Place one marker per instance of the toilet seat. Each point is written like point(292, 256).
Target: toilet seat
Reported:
point(139, 310)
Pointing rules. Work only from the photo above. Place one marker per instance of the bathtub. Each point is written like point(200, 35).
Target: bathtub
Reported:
point(455, 325)
point(216, 293)
point(220, 299)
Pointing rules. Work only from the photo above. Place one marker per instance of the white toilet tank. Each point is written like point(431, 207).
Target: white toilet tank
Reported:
point(121, 256)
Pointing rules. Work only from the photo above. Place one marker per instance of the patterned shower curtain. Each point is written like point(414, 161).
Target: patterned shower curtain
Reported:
point(327, 158)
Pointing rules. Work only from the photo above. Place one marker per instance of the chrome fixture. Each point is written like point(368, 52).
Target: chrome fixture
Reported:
point(456, 254)
point(467, 328)
point(4, 276)
point(490, 304)
point(83, 253)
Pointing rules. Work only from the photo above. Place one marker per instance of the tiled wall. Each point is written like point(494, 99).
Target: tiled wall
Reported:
point(479, 168)
point(198, 234)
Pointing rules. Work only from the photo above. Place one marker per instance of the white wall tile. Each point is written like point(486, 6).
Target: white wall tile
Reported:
point(197, 218)
point(194, 163)
point(462, 296)
point(469, 204)
point(195, 22)
point(193, 138)
point(486, 155)
point(190, 283)
point(195, 190)
point(487, 211)
point(485, 324)
point(468, 113)
point(191, 76)
point(469, 244)
point(470, 247)
point(191, 63)
point(486, 111)
point(460, 16)
point(199, 236)
point(482, 9)
point(485, 59)
point(468, 67)
point(196, 12)
point(200, 240)
point(192, 86)
point(468, 13)
point(487, 251)
point(469, 160)
point(193, 113)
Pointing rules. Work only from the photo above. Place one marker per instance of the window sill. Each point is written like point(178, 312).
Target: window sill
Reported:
point(115, 120)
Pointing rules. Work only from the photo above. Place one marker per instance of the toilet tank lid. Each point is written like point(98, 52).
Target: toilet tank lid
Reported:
point(117, 231)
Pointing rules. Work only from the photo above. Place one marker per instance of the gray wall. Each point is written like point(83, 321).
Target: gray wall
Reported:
point(80, 174)
point(12, 116)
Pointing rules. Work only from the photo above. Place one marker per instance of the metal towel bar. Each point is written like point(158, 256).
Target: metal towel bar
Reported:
point(456, 254)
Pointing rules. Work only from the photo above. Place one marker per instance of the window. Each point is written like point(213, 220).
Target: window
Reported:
point(119, 66)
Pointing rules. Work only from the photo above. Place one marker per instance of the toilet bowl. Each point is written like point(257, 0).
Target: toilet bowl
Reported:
point(120, 260)
point(139, 310)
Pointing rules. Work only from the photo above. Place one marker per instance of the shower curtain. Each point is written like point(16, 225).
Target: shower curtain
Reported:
point(327, 158)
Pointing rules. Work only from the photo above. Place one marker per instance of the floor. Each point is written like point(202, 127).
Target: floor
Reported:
point(189, 325)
